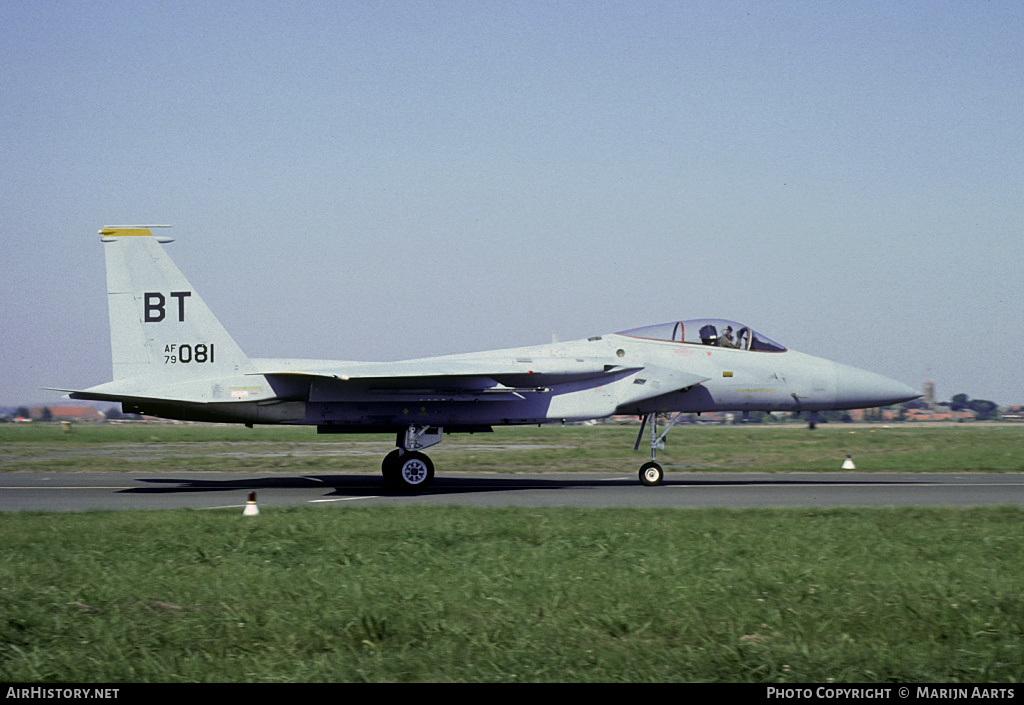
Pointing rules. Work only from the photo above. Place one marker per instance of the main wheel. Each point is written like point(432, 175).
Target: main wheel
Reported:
point(413, 470)
point(651, 474)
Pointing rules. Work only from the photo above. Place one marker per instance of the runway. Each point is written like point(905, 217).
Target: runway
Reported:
point(229, 491)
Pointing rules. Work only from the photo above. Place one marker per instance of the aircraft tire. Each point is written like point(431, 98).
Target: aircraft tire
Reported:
point(651, 474)
point(389, 467)
point(414, 471)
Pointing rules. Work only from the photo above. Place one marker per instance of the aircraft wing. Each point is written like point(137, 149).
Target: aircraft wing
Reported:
point(436, 379)
point(473, 379)
point(555, 370)
point(433, 379)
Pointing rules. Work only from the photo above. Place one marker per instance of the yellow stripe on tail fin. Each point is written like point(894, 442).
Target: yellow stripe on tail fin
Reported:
point(112, 231)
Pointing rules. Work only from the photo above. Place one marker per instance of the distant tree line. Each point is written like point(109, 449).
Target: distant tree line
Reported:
point(984, 410)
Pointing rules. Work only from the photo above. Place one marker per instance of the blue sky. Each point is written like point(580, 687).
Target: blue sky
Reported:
point(385, 180)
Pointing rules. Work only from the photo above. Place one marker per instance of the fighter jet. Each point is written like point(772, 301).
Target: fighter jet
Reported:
point(173, 359)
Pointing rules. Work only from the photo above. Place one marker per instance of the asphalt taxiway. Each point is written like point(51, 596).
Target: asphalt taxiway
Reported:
point(121, 491)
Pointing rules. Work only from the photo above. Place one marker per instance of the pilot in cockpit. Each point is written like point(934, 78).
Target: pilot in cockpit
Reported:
point(709, 336)
point(726, 340)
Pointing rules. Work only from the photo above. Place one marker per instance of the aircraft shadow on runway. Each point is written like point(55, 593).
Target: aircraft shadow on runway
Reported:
point(356, 485)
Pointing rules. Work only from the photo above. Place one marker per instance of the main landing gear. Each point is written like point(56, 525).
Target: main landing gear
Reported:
point(409, 469)
point(406, 467)
point(652, 474)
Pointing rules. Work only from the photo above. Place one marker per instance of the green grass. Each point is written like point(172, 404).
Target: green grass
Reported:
point(764, 448)
point(505, 595)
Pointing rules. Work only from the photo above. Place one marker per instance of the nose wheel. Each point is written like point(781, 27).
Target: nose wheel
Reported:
point(651, 474)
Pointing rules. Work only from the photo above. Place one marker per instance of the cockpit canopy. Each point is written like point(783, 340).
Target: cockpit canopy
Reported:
point(708, 331)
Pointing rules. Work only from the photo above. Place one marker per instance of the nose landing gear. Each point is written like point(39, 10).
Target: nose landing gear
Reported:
point(652, 474)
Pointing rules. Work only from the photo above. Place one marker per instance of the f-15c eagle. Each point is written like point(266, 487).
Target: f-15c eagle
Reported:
point(173, 359)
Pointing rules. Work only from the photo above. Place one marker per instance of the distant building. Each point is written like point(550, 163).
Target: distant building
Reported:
point(929, 394)
point(939, 413)
point(945, 415)
point(67, 413)
point(1013, 413)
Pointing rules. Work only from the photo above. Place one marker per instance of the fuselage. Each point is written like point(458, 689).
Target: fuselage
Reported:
point(643, 376)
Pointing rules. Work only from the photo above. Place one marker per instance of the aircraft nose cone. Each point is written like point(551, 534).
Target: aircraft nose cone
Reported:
point(856, 388)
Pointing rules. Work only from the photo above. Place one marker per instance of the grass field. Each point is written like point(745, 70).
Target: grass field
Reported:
point(764, 448)
point(485, 595)
point(414, 594)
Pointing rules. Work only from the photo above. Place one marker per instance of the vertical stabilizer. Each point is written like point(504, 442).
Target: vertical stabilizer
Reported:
point(159, 326)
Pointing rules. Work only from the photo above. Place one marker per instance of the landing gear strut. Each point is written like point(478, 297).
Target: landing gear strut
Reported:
point(652, 474)
point(407, 468)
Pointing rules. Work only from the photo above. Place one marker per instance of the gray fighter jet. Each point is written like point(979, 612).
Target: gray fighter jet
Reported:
point(173, 359)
